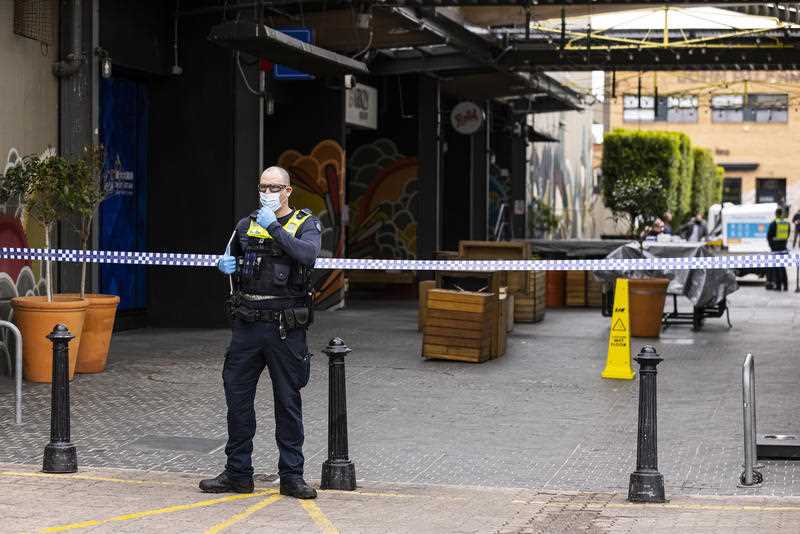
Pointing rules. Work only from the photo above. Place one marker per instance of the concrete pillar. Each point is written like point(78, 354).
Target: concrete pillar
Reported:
point(480, 149)
point(78, 116)
point(429, 225)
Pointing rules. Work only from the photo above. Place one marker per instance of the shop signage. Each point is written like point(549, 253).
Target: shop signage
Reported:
point(466, 118)
point(120, 182)
point(361, 109)
point(282, 72)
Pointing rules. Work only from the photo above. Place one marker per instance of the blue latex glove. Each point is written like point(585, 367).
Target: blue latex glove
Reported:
point(265, 217)
point(227, 264)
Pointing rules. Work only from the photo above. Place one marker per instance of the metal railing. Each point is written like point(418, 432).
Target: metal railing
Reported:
point(18, 367)
point(750, 476)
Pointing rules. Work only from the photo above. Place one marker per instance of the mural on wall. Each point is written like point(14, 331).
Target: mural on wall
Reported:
point(560, 174)
point(17, 277)
point(318, 184)
point(382, 193)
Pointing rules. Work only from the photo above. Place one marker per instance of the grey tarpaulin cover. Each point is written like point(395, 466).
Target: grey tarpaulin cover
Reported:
point(704, 287)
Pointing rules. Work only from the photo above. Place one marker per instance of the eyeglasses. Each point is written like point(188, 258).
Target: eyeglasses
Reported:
point(272, 188)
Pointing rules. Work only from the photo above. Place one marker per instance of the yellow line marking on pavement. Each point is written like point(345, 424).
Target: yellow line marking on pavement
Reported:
point(715, 507)
point(219, 527)
point(318, 517)
point(157, 511)
point(88, 477)
point(371, 494)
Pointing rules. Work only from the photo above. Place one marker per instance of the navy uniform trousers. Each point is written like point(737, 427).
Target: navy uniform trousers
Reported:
point(255, 345)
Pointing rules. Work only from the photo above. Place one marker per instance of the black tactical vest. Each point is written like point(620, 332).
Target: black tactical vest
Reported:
point(265, 269)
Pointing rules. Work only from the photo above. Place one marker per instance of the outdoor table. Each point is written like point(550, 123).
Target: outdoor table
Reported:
point(707, 289)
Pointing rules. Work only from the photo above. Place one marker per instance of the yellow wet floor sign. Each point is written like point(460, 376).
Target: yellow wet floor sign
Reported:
point(618, 362)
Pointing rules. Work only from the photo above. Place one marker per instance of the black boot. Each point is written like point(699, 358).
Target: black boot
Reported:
point(297, 488)
point(222, 483)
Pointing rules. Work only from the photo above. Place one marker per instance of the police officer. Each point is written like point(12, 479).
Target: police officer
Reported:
point(778, 237)
point(269, 257)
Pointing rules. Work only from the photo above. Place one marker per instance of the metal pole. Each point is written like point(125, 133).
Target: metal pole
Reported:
point(60, 455)
point(750, 476)
point(646, 483)
point(797, 271)
point(17, 366)
point(338, 471)
point(262, 85)
point(756, 465)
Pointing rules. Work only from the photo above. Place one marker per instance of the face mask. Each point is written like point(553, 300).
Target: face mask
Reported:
point(270, 200)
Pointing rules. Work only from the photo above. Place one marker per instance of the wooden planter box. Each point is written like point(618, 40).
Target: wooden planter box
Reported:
point(529, 307)
point(583, 289)
point(500, 250)
point(492, 283)
point(424, 286)
point(459, 325)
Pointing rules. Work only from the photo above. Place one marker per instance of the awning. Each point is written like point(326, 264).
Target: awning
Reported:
point(278, 48)
point(541, 103)
point(539, 137)
point(739, 167)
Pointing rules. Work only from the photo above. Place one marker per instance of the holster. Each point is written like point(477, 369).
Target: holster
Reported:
point(299, 317)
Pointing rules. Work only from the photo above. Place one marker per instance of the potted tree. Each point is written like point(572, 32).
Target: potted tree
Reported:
point(87, 192)
point(42, 182)
point(641, 200)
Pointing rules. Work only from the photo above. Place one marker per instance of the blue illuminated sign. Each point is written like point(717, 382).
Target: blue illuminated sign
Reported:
point(282, 72)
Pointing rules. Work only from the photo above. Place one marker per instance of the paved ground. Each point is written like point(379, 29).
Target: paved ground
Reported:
point(539, 418)
point(136, 501)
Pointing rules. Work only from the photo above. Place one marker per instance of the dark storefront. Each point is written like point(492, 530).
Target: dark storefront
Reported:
point(180, 117)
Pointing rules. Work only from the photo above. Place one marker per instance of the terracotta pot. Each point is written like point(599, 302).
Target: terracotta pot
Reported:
point(647, 298)
point(556, 289)
point(97, 329)
point(36, 318)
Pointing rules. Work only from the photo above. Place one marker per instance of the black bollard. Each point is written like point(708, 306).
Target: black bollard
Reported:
point(60, 455)
point(647, 484)
point(338, 472)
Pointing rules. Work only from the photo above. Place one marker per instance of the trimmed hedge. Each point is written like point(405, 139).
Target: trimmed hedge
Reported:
point(631, 153)
point(691, 180)
point(683, 201)
point(706, 182)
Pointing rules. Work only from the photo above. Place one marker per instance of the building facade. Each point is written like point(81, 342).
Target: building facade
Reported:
point(28, 124)
point(749, 120)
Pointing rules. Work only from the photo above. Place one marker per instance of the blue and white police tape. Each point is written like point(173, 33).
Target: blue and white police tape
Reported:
point(750, 261)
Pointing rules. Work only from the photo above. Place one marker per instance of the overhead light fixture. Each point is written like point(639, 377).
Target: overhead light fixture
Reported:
point(105, 62)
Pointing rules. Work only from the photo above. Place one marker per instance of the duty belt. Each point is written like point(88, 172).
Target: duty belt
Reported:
point(255, 298)
point(249, 315)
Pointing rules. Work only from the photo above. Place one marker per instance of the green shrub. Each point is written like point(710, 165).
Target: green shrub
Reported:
point(628, 154)
point(683, 195)
point(706, 182)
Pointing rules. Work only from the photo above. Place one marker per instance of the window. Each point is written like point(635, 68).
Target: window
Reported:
point(761, 107)
point(771, 190)
point(638, 109)
point(732, 190)
point(647, 108)
point(727, 108)
point(769, 107)
point(682, 108)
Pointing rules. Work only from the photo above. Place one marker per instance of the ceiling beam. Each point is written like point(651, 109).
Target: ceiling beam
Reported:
point(442, 63)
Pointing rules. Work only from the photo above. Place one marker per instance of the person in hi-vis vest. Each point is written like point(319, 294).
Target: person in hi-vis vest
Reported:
point(778, 238)
point(270, 257)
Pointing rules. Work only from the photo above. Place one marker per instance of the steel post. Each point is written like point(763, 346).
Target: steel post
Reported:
point(338, 471)
point(646, 483)
point(17, 367)
point(60, 455)
point(750, 476)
